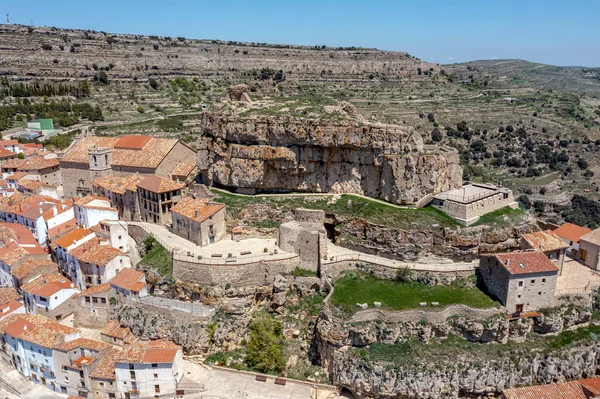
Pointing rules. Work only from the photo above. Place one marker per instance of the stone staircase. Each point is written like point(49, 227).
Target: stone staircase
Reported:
point(424, 201)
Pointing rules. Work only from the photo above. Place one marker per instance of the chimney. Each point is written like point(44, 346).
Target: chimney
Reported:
point(24, 327)
point(197, 213)
point(508, 262)
point(54, 211)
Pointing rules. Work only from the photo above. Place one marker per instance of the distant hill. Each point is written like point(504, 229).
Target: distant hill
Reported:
point(511, 74)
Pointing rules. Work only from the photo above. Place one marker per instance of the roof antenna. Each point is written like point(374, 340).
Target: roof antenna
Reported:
point(7, 20)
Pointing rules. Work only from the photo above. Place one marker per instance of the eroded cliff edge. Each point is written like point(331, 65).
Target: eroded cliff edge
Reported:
point(262, 154)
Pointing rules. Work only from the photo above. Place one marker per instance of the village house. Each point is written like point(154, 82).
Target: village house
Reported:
point(73, 361)
point(122, 193)
point(96, 263)
point(91, 210)
point(114, 334)
point(12, 180)
point(64, 244)
point(10, 145)
point(548, 243)
point(102, 375)
point(49, 296)
point(156, 196)
point(91, 306)
point(45, 170)
point(17, 245)
point(571, 234)
point(184, 171)
point(36, 187)
point(30, 269)
point(589, 249)
point(6, 155)
point(61, 229)
point(11, 166)
point(10, 302)
point(129, 283)
point(521, 281)
point(473, 200)
point(199, 221)
point(27, 343)
point(116, 233)
point(94, 157)
point(149, 369)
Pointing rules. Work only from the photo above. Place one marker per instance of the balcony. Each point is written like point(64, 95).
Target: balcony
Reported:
point(133, 391)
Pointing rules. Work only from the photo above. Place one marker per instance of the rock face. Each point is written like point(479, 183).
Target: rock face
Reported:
point(460, 377)
point(255, 154)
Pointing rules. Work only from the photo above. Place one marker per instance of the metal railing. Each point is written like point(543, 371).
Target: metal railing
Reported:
point(234, 260)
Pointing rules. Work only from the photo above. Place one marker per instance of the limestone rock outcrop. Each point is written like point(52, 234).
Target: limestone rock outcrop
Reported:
point(262, 154)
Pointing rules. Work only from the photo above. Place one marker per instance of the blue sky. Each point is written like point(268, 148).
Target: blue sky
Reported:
point(445, 31)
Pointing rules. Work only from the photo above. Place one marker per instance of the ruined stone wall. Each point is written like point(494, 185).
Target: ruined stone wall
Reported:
point(267, 154)
point(250, 274)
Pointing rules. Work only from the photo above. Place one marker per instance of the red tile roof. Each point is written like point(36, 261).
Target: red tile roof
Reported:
point(565, 390)
point(12, 253)
point(34, 266)
point(571, 231)
point(156, 351)
point(4, 153)
point(36, 329)
point(114, 329)
point(37, 162)
point(13, 163)
point(9, 308)
point(6, 143)
point(104, 366)
point(545, 241)
point(94, 202)
point(591, 384)
point(196, 209)
point(47, 285)
point(129, 279)
point(94, 253)
point(82, 343)
point(68, 239)
point(159, 184)
point(62, 229)
point(526, 262)
point(96, 289)
point(132, 142)
point(183, 169)
point(8, 294)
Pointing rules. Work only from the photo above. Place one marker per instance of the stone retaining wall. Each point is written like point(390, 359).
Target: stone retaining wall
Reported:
point(431, 316)
point(257, 274)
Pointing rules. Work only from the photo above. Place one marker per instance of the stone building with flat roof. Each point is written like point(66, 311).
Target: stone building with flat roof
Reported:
point(198, 220)
point(473, 200)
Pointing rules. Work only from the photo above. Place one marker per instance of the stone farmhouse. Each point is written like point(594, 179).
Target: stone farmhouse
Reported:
point(91, 306)
point(199, 221)
point(521, 281)
point(589, 249)
point(473, 200)
point(94, 157)
point(571, 234)
point(548, 243)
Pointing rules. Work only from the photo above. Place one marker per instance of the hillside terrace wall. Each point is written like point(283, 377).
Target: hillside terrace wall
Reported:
point(258, 273)
point(431, 316)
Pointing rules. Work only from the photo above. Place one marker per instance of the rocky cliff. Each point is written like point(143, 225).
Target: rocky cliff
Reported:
point(262, 154)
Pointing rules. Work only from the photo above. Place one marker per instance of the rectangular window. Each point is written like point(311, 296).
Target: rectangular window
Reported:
point(103, 300)
point(543, 280)
point(87, 299)
point(520, 283)
point(132, 375)
point(95, 300)
point(154, 365)
point(155, 376)
point(532, 281)
point(157, 389)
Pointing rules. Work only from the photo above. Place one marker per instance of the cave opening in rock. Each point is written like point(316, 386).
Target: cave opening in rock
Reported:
point(330, 229)
point(346, 393)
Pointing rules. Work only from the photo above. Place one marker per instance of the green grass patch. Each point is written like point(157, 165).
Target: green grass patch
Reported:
point(157, 257)
point(348, 205)
point(267, 224)
point(299, 272)
point(501, 217)
point(355, 288)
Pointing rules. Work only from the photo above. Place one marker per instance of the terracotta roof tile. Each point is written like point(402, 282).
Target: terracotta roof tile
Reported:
point(592, 237)
point(60, 208)
point(62, 229)
point(526, 262)
point(94, 201)
point(32, 185)
point(38, 162)
point(21, 235)
point(47, 285)
point(13, 163)
point(8, 294)
point(94, 253)
point(150, 156)
point(155, 351)
point(183, 169)
point(9, 308)
point(196, 209)
point(132, 142)
point(129, 279)
point(565, 390)
point(83, 343)
point(68, 239)
point(4, 153)
point(36, 329)
point(96, 289)
point(114, 329)
point(545, 241)
point(12, 253)
point(571, 231)
point(591, 384)
point(33, 266)
point(10, 142)
point(104, 366)
point(16, 176)
point(159, 184)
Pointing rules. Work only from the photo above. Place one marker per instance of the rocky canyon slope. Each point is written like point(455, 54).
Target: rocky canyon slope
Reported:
point(263, 154)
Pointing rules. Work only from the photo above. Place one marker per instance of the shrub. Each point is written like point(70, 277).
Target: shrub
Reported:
point(46, 47)
point(431, 117)
point(101, 77)
point(264, 352)
point(140, 109)
point(153, 83)
point(582, 163)
point(436, 135)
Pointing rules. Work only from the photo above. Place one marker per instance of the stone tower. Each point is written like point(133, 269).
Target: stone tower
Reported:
point(100, 162)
